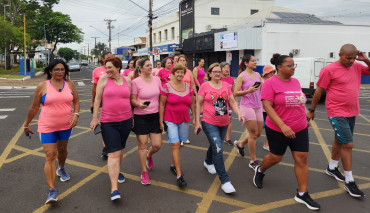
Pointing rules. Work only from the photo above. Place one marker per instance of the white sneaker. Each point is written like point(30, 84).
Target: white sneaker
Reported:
point(211, 168)
point(182, 143)
point(228, 188)
point(187, 141)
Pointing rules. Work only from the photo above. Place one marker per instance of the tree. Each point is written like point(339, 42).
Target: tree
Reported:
point(66, 53)
point(100, 48)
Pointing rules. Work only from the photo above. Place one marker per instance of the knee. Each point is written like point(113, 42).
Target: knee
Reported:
point(175, 146)
point(62, 150)
point(253, 133)
point(142, 146)
point(275, 159)
point(51, 156)
point(302, 160)
point(156, 146)
point(347, 146)
point(116, 154)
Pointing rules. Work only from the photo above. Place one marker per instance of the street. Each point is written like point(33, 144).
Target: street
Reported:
point(23, 186)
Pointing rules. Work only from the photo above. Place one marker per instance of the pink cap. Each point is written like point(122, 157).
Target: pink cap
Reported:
point(267, 69)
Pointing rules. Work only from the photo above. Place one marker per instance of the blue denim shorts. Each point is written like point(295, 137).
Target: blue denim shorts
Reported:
point(177, 132)
point(52, 137)
point(343, 128)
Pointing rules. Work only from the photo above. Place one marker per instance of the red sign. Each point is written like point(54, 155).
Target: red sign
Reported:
point(157, 51)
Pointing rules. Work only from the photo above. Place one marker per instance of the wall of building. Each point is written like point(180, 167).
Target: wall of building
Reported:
point(171, 24)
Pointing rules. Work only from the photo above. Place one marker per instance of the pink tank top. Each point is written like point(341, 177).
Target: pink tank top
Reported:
point(187, 76)
point(251, 100)
point(56, 112)
point(201, 75)
point(116, 102)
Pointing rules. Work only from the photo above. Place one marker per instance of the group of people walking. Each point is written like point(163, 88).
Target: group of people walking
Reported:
point(148, 103)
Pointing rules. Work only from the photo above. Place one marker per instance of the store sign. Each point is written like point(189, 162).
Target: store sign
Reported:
point(186, 20)
point(228, 40)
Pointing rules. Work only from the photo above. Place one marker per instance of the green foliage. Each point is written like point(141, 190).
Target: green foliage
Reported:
point(66, 53)
point(100, 48)
point(12, 34)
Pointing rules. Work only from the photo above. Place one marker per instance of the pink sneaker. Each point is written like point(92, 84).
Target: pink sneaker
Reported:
point(149, 162)
point(145, 178)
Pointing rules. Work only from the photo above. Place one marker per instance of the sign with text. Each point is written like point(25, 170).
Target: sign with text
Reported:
point(186, 20)
point(228, 40)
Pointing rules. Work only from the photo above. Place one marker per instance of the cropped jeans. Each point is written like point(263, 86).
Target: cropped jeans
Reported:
point(215, 135)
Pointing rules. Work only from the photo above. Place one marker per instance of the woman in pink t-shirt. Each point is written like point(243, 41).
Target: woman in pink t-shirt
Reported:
point(165, 73)
point(145, 98)
point(199, 73)
point(115, 118)
point(225, 67)
point(286, 125)
point(158, 67)
point(248, 87)
point(176, 97)
point(215, 97)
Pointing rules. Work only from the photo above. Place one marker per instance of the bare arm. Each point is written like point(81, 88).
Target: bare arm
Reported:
point(195, 73)
point(34, 108)
point(162, 104)
point(93, 94)
point(76, 104)
point(99, 92)
point(234, 105)
point(192, 108)
point(192, 84)
point(238, 86)
point(315, 100)
point(199, 106)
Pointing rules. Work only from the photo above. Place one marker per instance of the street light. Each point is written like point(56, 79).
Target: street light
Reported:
point(4, 35)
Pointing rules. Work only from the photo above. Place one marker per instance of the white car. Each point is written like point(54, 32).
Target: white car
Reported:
point(124, 64)
point(74, 66)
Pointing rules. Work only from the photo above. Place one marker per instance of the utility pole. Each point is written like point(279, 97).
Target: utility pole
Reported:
point(150, 30)
point(95, 40)
point(88, 49)
point(109, 22)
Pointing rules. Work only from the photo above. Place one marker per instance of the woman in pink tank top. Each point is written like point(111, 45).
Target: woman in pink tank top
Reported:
point(248, 87)
point(56, 120)
point(116, 118)
point(199, 73)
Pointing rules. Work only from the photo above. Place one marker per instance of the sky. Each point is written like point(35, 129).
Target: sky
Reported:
point(131, 16)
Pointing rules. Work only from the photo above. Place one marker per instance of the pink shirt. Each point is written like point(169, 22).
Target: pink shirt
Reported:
point(342, 85)
point(288, 102)
point(56, 113)
point(155, 71)
point(177, 104)
point(116, 102)
point(201, 75)
point(127, 71)
point(216, 104)
point(99, 71)
point(251, 100)
point(147, 92)
point(229, 80)
point(187, 76)
point(164, 75)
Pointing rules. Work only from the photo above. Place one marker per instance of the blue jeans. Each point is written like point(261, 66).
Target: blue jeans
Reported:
point(215, 135)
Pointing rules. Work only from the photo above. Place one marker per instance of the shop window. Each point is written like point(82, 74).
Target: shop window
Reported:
point(215, 11)
point(254, 11)
point(173, 33)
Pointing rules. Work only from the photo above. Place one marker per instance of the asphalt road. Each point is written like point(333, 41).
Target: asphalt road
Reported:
point(23, 186)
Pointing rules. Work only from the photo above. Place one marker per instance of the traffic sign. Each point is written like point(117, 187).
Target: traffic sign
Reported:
point(157, 51)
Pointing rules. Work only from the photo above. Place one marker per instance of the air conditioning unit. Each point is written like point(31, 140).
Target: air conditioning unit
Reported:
point(209, 27)
point(295, 51)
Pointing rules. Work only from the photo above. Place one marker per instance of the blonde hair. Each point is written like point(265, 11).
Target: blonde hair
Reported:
point(210, 68)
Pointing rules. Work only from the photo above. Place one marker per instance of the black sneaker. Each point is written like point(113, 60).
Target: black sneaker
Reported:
point(173, 170)
point(228, 142)
point(353, 190)
point(104, 154)
point(240, 149)
point(335, 173)
point(181, 182)
point(307, 200)
point(258, 177)
point(253, 164)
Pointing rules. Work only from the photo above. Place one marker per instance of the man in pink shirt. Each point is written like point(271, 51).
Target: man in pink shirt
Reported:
point(342, 80)
point(97, 73)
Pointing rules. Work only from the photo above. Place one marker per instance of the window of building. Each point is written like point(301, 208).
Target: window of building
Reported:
point(165, 35)
point(154, 38)
point(159, 36)
point(173, 33)
point(215, 11)
point(254, 11)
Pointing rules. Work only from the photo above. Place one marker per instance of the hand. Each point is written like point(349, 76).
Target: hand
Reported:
point(28, 131)
point(252, 89)
point(142, 105)
point(73, 121)
point(310, 116)
point(194, 122)
point(288, 132)
point(94, 123)
point(361, 56)
point(161, 125)
point(197, 126)
point(242, 119)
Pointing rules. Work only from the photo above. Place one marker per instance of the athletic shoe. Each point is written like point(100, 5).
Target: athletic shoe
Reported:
point(186, 142)
point(253, 164)
point(145, 178)
point(115, 195)
point(52, 196)
point(173, 170)
point(149, 162)
point(258, 177)
point(353, 190)
point(307, 200)
point(228, 187)
point(64, 176)
point(335, 173)
point(121, 178)
point(267, 148)
point(211, 168)
point(239, 149)
point(182, 143)
point(228, 142)
point(104, 154)
point(181, 182)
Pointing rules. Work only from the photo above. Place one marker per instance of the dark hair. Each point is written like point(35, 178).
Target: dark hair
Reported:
point(173, 57)
point(210, 68)
point(157, 62)
point(246, 58)
point(128, 63)
point(51, 66)
point(198, 60)
point(136, 73)
point(105, 53)
point(135, 60)
point(142, 62)
point(117, 63)
point(222, 64)
point(278, 59)
point(178, 66)
point(163, 63)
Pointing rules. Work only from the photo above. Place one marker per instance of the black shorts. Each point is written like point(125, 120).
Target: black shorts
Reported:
point(264, 116)
point(145, 124)
point(278, 143)
point(115, 134)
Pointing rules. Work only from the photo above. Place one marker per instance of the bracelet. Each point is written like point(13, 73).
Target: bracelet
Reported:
point(26, 127)
point(76, 113)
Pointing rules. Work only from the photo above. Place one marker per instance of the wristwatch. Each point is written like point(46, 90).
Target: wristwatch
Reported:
point(311, 110)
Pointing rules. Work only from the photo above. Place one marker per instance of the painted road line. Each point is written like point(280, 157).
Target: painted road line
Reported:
point(3, 116)
point(80, 83)
point(10, 145)
point(7, 110)
point(365, 118)
point(355, 133)
point(15, 96)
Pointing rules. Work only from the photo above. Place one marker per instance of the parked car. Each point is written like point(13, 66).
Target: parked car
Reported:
point(83, 62)
point(74, 66)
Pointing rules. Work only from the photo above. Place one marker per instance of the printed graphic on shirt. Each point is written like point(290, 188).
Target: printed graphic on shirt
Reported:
point(295, 98)
point(219, 102)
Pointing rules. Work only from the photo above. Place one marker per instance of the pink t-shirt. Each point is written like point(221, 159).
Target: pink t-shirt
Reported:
point(216, 104)
point(288, 102)
point(229, 80)
point(99, 71)
point(155, 71)
point(147, 92)
point(127, 71)
point(251, 100)
point(342, 85)
point(177, 104)
point(164, 75)
point(116, 102)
